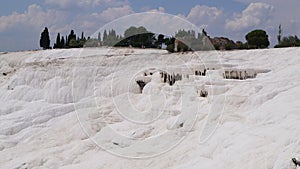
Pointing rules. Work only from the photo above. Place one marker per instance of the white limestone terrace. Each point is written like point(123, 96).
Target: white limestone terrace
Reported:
point(82, 108)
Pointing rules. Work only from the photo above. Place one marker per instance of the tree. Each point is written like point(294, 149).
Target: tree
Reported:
point(73, 43)
point(71, 36)
point(58, 42)
point(257, 39)
point(170, 44)
point(186, 38)
point(170, 48)
point(182, 47)
point(279, 34)
point(82, 35)
point(131, 31)
point(99, 37)
point(160, 38)
point(111, 38)
point(182, 33)
point(204, 32)
point(66, 41)
point(91, 42)
point(289, 41)
point(137, 37)
point(104, 35)
point(45, 39)
point(160, 41)
point(62, 42)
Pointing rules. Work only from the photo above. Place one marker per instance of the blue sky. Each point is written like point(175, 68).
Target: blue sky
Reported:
point(21, 24)
point(171, 6)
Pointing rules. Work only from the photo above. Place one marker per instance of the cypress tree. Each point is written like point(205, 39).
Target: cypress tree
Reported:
point(99, 37)
point(45, 39)
point(62, 42)
point(104, 35)
point(82, 35)
point(279, 34)
point(66, 42)
point(71, 36)
point(58, 42)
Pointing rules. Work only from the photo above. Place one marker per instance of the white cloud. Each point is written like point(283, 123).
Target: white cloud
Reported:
point(160, 9)
point(201, 15)
point(114, 13)
point(204, 11)
point(60, 3)
point(281, 12)
point(31, 22)
point(21, 31)
point(34, 17)
point(90, 22)
point(254, 15)
point(84, 3)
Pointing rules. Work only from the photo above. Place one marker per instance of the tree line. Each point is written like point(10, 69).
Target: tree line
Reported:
point(69, 41)
point(183, 40)
point(288, 41)
point(138, 37)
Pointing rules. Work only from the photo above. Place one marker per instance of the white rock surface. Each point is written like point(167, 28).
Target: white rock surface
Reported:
point(75, 109)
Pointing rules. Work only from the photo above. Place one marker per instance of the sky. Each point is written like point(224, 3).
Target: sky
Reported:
point(21, 22)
